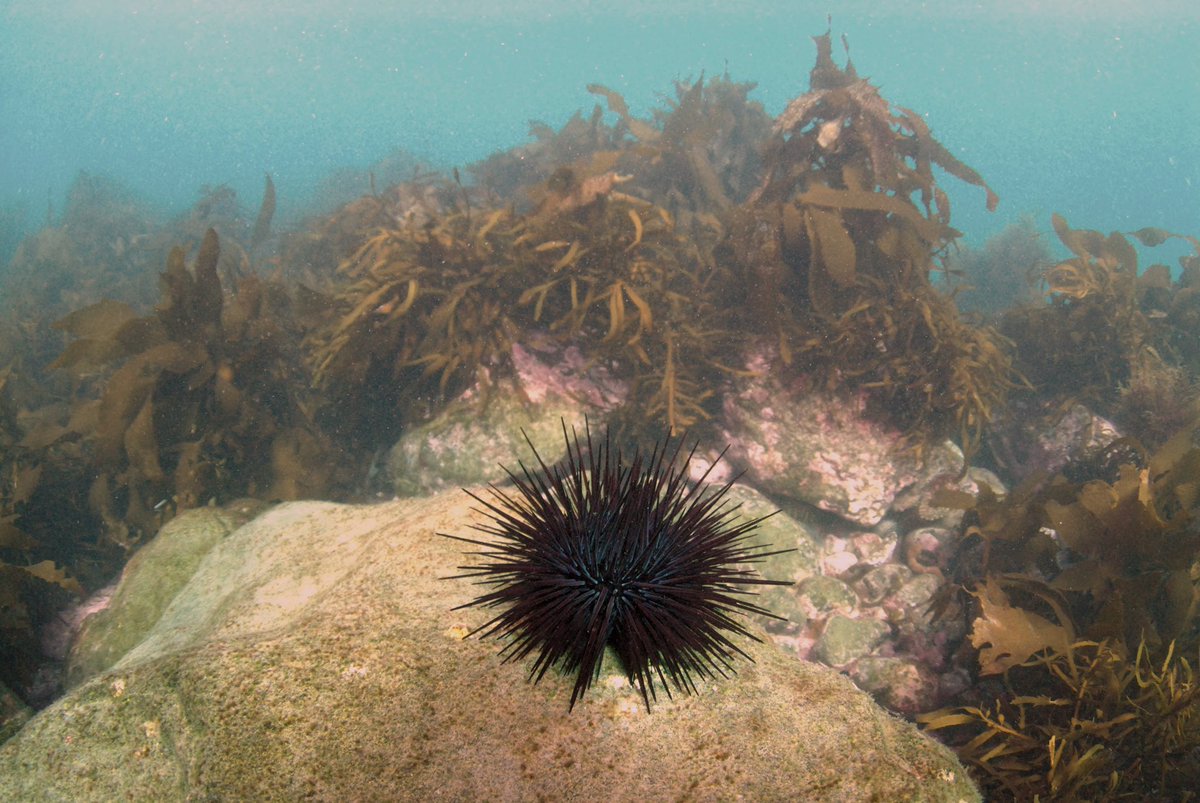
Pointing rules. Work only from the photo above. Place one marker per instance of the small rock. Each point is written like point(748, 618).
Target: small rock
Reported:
point(837, 558)
point(821, 596)
point(778, 531)
point(874, 548)
point(845, 640)
point(881, 582)
point(898, 684)
point(929, 550)
point(917, 591)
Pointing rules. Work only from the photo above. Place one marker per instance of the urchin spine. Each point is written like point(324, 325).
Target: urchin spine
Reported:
point(597, 552)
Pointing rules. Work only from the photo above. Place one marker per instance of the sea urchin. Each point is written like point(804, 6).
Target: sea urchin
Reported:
point(599, 551)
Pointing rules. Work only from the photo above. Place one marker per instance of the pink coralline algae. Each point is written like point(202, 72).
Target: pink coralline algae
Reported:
point(1038, 438)
point(815, 446)
point(487, 425)
point(567, 375)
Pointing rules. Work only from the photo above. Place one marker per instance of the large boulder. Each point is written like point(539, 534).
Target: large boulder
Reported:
point(150, 581)
point(316, 653)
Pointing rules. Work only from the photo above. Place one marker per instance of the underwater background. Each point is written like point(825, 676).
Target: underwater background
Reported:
point(1084, 108)
point(481, 224)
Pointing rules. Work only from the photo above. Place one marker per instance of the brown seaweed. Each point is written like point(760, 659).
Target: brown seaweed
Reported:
point(427, 307)
point(204, 403)
point(1086, 600)
point(1116, 337)
point(838, 243)
point(1087, 722)
point(262, 224)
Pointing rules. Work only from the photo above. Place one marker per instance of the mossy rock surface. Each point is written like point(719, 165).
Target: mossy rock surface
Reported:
point(13, 713)
point(314, 653)
point(845, 639)
point(779, 531)
point(826, 595)
point(473, 441)
point(151, 579)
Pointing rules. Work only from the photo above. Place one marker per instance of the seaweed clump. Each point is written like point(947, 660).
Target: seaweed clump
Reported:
point(1088, 722)
point(207, 401)
point(701, 154)
point(1085, 596)
point(837, 244)
point(430, 305)
point(1117, 337)
point(598, 235)
point(35, 583)
point(1004, 273)
point(1081, 341)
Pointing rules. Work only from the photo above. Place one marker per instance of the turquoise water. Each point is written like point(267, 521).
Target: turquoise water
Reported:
point(1087, 109)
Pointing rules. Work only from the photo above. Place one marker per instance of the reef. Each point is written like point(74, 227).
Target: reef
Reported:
point(666, 251)
point(700, 254)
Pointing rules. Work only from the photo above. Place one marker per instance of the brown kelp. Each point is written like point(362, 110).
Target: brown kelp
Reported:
point(1085, 595)
point(1089, 722)
point(1079, 342)
point(428, 303)
point(310, 255)
point(624, 234)
point(509, 175)
point(98, 249)
point(701, 154)
point(76, 461)
point(837, 244)
point(266, 212)
point(597, 235)
point(207, 401)
point(1116, 337)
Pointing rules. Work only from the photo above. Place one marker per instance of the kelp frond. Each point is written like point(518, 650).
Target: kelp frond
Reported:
point(1084, 723)
point(837, 245)
point(425, 307)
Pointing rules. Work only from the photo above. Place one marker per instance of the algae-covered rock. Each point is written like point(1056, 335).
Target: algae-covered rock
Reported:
point(315, 653)
point(823, 595)
point(817, 447)
point(472, 441)
point(845, 639)
point(801, 560)
point(13, 713)
point(899, 683)
point(479, 433)
point(151, 579)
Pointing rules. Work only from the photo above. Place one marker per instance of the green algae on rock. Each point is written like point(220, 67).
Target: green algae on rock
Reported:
point(313, 653)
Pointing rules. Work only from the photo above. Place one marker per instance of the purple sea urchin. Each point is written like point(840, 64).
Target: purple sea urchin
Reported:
point(602, 552)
